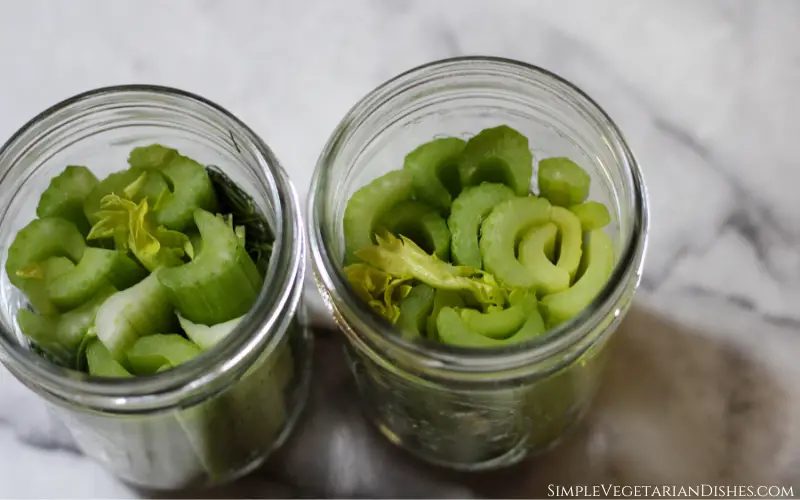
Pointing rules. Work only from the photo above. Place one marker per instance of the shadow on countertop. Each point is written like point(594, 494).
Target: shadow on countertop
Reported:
point(675, 407)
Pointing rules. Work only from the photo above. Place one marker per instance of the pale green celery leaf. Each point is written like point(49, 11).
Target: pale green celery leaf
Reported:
point(380, 290)
point(132, 227)
point(404, 259)
point(152, 156)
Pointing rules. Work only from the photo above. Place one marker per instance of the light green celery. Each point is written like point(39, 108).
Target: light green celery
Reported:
point(592, 214)
point(563, 182)
point(422, 224)
point(65, 195)
point(414, 311)
point(453, 331)
point(536, 252)
point(151, 156)
point(499, 154)
point(134, 184)
point(101, 363)
point(153, 353)
point(191, 190)
point(221, 283)
point(467, 212)
point(441, 299)
point(207, 337)
point(503, 323)
point(434, 168)
point(141, 310)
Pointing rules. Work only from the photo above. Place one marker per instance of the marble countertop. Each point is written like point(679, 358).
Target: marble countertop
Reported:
point(704, 381)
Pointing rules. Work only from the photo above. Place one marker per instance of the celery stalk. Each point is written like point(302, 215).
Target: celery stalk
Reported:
point(155, 353)
point(65, 195)
point(100, 362)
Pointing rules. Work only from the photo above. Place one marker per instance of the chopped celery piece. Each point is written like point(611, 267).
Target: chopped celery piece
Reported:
point(414, 311)
point(151, 354)
point(569, 250)
point(152, 156)
point(467, 212)
point(401, 258)
point(441, 299)
point(368, 205)
point(563, 182)
point(499, 154)
point(503, 323)
point(453, 331)
point(61, 335)
point(592, 214)
point(422, 224)
point(502, 230)
point(207, 337)
point(134, 184)
point(65, 195)
point(599, 263)
point(536, 252)
point(434, 167)
point(96, 269)
point(191, 190)
point(141, 310)
point(100, 362)
point(221, 283)
point(38, 241)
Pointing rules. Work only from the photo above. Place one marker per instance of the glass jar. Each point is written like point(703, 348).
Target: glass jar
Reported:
point(473, 409)
point(219, 415)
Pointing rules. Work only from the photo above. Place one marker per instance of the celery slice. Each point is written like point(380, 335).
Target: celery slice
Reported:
point(191, 190)
point(503, 323)
point(442, 299)
point(499, 154)
point(569, 250)
point(422, 224)
point(38, 241)
point(65, 195)
point(453, 331)
point(153, 353)
point(563, 182)
point(152, 156)
point(467, 212)
point(221, 283)
point(368, 205)
point(207, 337)
point(536, 251)
point(592, 214)
point(141, 310)
point(96, 269)
point(414, 311)
point(434, 168)
point(100, 362)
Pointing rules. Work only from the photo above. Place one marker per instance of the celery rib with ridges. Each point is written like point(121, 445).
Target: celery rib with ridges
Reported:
point(434, 167)
point(221, 283)
point(466, 214)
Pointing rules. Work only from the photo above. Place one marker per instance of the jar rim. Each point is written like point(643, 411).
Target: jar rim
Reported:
point(373, 332)
point(261, 328)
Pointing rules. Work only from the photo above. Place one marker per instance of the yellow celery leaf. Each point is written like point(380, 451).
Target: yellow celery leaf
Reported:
point(380, 290)
point(402, 258)
point(132, 189)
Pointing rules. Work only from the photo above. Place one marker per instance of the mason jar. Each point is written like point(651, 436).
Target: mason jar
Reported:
point(473, 409)
point(219, 415)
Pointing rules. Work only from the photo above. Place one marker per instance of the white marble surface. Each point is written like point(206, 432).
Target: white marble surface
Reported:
point(705, 383)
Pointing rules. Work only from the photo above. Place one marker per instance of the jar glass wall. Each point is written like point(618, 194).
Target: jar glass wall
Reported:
point(219, 415)
point(476, 408)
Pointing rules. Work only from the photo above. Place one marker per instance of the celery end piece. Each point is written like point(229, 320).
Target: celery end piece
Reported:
point(500, 154)
point(152, 353)
point(101, 363)
point(205, 336)
point(563, 182)
point(434, 170)
point(221, 283)
point(141, 310)
point(65, 195)
point(367, 205)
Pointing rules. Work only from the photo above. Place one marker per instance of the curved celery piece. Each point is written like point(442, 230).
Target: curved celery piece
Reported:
point(569, 250)
point(368, 205)
point(504, 323)
point(100, 363)
point(441, 299)
point(414, 311)
point(65, 195)
point(141, 310)
point(422, 224)
point(191, 190)
point(62, 335)
point(536, 251)
point(152, 156)
point(501, 231)
point(207, 337)
point(466, 214)
point(38, 241)
point(592, 214)
point(598, 264)
point(134, 184)
point(563, 182)
point(221, 282)
point(434, 168)
point(454, 331)
point(499, 154)
point(96, 269)
point(153, 353)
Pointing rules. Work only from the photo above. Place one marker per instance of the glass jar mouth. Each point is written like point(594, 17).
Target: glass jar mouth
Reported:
point(433, 357)
point(261, 329)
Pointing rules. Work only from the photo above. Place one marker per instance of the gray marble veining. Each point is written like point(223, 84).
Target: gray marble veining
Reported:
point(703, 385)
